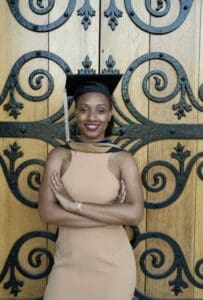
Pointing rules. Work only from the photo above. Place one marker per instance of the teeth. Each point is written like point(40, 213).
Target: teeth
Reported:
point(92, 126)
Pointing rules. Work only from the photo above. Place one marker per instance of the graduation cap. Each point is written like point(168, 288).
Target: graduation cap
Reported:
point(79, 84)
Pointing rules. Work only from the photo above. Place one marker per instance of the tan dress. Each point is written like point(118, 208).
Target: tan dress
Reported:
point(95, 263)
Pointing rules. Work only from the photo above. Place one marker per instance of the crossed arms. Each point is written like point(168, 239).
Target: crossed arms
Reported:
point(57, 207)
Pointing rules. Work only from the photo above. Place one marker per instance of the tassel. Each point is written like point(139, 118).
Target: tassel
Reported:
point(66, 117)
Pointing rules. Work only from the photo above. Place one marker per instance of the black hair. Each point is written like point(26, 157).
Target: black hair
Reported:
point(109, 129)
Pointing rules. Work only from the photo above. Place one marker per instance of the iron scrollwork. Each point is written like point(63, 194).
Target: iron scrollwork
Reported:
point(201, 91)
point(158, 259)
point(87, 63)
point(40, 9)
point(180, 176)
point(143, 132)
point(110, 63)
point(12, 174)
point(113, 13)
point(86, 11)
point(148, 130)
point(34, 258)
point(35, 81)
point(160, 78)
point(162, 9)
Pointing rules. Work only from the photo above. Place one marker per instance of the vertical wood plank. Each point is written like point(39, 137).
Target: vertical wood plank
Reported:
point(126, 43)
point(178, 218)
point(198, 235)
point(16, 218)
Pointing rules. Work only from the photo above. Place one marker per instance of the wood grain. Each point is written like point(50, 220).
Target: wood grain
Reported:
point(125, 44)
point(176, 220)
point(16, 218)
point(198, 232)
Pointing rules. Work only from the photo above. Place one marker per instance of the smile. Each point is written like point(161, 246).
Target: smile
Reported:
point(92, 126)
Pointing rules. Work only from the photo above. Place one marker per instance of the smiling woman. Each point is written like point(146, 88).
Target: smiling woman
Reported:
point(93, 113)
point(90, 189)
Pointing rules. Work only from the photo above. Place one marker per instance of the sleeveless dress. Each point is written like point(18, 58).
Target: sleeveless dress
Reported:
point(92, 263)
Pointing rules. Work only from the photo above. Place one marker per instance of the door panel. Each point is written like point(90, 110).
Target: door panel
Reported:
point(43, 40)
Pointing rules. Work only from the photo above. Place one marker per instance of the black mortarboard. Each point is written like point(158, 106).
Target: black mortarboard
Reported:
point(79, 84)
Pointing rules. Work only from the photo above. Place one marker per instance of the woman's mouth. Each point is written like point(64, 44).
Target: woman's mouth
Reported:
point(92, 127)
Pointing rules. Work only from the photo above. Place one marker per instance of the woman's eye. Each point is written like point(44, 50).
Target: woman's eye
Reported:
point(83, 109)
point(101, 111)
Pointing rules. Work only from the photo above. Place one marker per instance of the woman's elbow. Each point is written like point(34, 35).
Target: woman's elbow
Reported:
point(43, 216)
point(43, 213)
point(136, 216)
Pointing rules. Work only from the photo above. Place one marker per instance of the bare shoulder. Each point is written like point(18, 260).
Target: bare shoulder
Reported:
point(125, 158)
point(58, 155)
point(128, 168)
point(58, 151)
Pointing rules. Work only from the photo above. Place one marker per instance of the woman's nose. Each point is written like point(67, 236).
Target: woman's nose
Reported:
point(92, 116)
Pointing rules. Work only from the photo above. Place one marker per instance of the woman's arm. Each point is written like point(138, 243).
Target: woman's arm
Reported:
point(49, 209)
point(128, 213)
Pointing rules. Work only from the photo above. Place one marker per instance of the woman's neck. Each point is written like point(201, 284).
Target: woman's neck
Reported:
point(85, 140)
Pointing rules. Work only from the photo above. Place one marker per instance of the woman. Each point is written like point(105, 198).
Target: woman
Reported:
point(90, 189)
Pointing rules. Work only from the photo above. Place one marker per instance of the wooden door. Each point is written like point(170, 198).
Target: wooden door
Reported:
point(158, 46)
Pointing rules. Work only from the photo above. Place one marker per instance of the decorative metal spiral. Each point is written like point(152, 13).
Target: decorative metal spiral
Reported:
point(35, 80)
point(181, 176)
point(161, 82)
point(32, 175)
point(182, 86)
point(200, 170)
point(137, 130)
point(158, 259)
point(112, 12)
point(34, 259)
point(40, 9)
point(159, 11)
point(185, 6)
point(33, 180)
point(12, 174)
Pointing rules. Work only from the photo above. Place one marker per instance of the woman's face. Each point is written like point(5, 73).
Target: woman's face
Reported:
point(93, 112)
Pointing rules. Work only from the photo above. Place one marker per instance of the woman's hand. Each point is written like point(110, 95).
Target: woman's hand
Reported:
point(60, 192)
point(122, 193)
